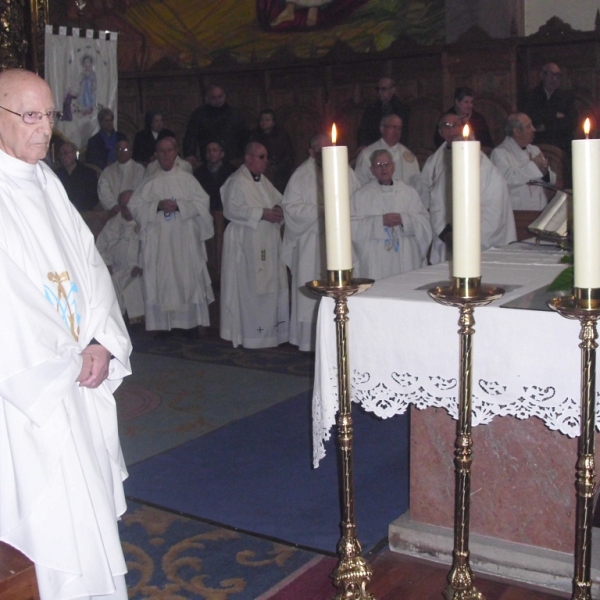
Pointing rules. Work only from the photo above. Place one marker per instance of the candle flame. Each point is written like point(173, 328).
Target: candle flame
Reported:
point(466, 132)
point(333, 134)
point(587, 127)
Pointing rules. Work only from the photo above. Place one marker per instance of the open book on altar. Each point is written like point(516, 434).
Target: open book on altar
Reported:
point(552, 222)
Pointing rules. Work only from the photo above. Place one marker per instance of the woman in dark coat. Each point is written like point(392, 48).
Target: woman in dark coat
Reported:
point(144, 143)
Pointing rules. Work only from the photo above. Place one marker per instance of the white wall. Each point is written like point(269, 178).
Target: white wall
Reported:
point(580, 14)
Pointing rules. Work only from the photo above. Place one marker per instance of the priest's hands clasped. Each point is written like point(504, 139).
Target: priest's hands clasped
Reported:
point(94, 369)
point(273, 215)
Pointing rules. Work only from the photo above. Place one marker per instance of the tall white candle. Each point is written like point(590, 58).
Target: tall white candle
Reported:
point(466, 208)
point(337, 206)
point(586, 211)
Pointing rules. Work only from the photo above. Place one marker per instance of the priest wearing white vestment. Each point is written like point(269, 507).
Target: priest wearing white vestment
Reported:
point(391, 231)
point(119, 245)
point(407, 166)
point(65, 350)
point(254, 285)
point(123, 175)
point(520, 162)
point(304, 240)
point(497, 219)
point(172, 210)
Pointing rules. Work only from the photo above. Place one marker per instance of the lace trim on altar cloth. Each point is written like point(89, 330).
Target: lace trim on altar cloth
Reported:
point(490, 399)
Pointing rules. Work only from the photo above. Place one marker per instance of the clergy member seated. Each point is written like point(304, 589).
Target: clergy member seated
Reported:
point(102, 147)
point(125, 174)
point(304, 240)
point(521, 162)
point(391, 231)
point(254, 285)
point(119, 246)
point(497, 218)
point(172, 210)
point(81, 182)
point(407, 167)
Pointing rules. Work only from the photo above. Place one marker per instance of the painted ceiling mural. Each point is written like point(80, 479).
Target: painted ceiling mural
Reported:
point(193, 33)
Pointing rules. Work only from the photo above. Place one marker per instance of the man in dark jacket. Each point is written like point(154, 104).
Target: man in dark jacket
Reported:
point(388, 104)
point(215, 120)
point(81, 182)
point(551, 109)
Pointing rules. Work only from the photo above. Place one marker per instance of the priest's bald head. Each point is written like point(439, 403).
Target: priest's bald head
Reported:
point(26, 116)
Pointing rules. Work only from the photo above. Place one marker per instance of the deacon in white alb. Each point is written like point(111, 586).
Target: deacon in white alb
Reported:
point(304, 240)
point(497, 219)
point(172, 210)
point(254, 286)
point(119, 245)
point(407, 166)
point(122, 176)
point(521, 162)
point(64, 351)
point(391, 231)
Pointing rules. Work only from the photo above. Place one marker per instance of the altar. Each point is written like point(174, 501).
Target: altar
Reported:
point(404, 352)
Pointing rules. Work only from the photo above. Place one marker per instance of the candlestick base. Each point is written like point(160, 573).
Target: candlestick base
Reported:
point(587, 298)
point(339, 278)
point(466, 287)
point(468, 293)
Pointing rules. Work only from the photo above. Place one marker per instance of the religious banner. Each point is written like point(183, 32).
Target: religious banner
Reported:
point(82, 73)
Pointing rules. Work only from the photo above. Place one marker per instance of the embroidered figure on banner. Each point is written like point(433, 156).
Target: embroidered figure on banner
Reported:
point(65, 301)
point(392, 241)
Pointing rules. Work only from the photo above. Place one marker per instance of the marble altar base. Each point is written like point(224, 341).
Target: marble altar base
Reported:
point(522, 499)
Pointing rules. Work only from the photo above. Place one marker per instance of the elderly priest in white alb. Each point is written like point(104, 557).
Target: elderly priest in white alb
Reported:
point(497, 219)
point(391, 231)
point(172, 210)
point(521, 162)
point(64, 352)
point(304, 240)
point(254, 285)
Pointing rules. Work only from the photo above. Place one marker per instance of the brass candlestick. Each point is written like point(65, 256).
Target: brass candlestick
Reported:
point(352, 574)
point(584, 306)
point(465, 294)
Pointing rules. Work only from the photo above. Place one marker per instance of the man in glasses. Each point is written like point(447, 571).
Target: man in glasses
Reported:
point(551, 109)
point(388, 103)
point(497, 218)
point(391, 231)
point(124, 175)
point(65, 350)
point(254, 284)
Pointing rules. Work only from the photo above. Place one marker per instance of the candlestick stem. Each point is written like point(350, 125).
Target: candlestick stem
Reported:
point(465, 294)
point(576, 307)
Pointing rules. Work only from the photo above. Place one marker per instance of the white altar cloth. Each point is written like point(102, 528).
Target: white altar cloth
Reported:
point(404, 348)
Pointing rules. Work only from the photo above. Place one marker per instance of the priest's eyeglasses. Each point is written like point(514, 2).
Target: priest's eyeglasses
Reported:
point(33, 118)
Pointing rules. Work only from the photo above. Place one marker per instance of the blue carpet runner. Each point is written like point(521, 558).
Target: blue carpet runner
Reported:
point(255, 475)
